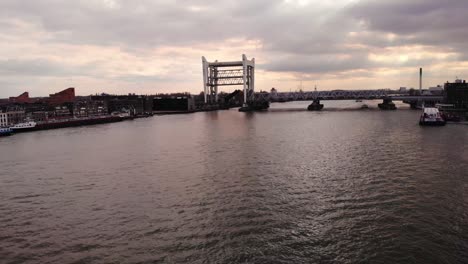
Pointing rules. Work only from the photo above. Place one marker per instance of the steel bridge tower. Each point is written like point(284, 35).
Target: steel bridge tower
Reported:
point(228, 73)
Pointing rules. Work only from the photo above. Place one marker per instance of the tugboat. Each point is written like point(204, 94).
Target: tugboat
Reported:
point(431, 117)
point(315, 105)
point(5, 132)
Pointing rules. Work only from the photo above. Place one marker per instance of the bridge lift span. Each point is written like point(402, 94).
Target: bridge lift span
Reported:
point(228, 73)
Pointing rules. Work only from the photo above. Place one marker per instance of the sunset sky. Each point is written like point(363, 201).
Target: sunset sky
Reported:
point(153, 46)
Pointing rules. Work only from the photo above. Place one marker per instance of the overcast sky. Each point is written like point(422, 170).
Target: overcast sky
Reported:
point(151, 46)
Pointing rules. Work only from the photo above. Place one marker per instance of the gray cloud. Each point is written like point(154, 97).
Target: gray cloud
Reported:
point(320, 64)
point(152, 23)
point(44, 68)
point(317, 64)
point(311, 38)
point(425, 22)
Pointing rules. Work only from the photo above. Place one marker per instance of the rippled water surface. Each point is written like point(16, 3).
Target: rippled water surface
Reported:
point(285, 186)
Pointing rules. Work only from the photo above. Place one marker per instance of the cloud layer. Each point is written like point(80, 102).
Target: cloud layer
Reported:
point(151, 46)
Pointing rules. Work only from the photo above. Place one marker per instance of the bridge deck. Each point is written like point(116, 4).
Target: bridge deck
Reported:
point(344, 95)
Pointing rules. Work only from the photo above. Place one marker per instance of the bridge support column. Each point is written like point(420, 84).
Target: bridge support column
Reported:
point(205, 79)
point(387, 104)
point(217, 74)
point(244, 80)
point(413, 104)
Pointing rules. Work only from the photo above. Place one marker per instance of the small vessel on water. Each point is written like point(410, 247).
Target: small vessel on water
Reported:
point(431, 117)
point(315, 105)
point(23, 127)
point(5, 131)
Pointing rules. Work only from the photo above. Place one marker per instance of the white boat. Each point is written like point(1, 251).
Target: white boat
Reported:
point(23, 127)
point(431, 117)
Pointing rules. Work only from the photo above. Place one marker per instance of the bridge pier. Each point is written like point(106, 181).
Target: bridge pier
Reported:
point(387, 104)
point(255, 106)
point(315, 105)
point(413, 104)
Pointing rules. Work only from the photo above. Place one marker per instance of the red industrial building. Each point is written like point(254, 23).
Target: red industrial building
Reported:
point(57, 99)
point(22, 98)
point(65, 96)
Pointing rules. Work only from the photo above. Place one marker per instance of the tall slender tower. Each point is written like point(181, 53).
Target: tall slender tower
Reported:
point(420, 81)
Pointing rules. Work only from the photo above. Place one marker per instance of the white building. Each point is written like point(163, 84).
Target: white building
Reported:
point(11, 118)
point(3, 119)
point(426, 92)
point(437, 90)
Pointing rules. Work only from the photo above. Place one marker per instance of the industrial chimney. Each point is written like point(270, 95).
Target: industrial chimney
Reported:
point(420, 81)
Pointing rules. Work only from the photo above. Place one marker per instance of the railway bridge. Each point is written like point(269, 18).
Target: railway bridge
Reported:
point(316, 96)
point(242, 72)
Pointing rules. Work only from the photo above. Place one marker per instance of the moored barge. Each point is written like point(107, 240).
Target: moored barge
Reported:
point(61, 123)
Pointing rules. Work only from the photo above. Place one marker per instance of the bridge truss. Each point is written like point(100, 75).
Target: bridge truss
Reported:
point(323, 95)
point(217, 74)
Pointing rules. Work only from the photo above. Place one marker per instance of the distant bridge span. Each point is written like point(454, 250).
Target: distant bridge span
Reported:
point(342, 95)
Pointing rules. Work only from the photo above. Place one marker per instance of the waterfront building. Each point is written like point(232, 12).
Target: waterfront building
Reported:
point(3, 119)
point(16, 116)
point(173, 103)
point(62, 112)
point(38, 116)
point(137, 104)
point(11, 115)
point(38, 111)
point(437, 90)
point(456, 93)
point(85, 107)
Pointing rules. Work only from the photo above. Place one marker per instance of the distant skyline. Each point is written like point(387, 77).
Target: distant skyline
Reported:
point(155, 46)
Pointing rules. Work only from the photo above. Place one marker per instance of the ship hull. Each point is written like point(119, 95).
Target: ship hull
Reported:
point(432, 123)
point(5, 134)
point(69, 123)
point(23, 129)
point(315, 107)
point(78, 122)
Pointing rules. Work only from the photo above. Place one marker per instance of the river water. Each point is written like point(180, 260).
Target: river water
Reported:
point(287, 186)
